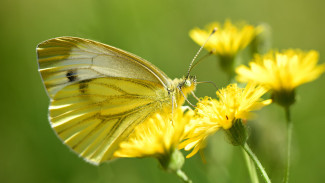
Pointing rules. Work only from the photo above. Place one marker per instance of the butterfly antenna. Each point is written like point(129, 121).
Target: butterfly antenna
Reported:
point(208, 82)
point(200, 60)
point(198, 52)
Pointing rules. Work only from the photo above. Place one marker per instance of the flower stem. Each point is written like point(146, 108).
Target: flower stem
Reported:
point(251, 168)
point(227, 64)
point(183, 176)
point(257, 162)
point(289, 136)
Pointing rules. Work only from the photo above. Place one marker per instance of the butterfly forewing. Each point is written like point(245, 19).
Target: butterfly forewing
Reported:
point(66, 60)
point(98, 93)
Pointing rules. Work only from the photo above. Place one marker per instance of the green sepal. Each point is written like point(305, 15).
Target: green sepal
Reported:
point(237, 134)
point(284, 98)
point(227, 64)
point(173, 161)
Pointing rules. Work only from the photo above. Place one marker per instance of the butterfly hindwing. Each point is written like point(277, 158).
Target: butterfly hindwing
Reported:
point(94, 118)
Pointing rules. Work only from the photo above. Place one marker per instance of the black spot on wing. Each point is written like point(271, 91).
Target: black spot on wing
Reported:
point(83, 85)
point(71, 75)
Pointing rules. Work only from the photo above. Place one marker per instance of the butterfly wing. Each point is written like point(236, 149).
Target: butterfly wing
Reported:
point(65, 60)
point(98, 93)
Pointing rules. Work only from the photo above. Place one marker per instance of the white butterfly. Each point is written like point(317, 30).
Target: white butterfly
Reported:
point(100, 93)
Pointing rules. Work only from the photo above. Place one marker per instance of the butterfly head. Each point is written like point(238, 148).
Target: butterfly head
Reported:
point(187, 84)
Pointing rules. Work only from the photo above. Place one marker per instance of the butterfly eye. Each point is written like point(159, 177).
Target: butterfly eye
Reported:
point(187, 83)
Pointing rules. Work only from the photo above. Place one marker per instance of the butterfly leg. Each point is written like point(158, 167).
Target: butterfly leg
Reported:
point(195, 96)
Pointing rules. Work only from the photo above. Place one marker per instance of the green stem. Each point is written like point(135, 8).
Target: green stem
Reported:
point(227, 64)
point(251, 168)
point(289, 136)
point(257, 162)
point(183, 176)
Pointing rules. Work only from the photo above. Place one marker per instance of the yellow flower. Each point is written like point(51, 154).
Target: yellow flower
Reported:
point(282, 72)
point(156, 137)
point(233, 103)
point(227, 40)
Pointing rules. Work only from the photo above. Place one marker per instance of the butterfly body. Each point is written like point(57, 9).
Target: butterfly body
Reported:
point(99, 93)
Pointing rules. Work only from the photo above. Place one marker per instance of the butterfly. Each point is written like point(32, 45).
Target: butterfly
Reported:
point(99, 93)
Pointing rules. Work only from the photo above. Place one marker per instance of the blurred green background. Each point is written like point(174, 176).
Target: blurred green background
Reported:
point(158, 32)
